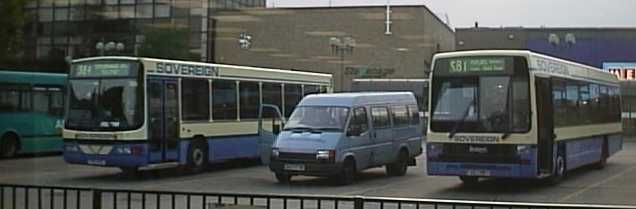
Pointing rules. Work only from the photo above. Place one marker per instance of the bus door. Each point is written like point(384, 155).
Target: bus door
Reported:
point(163, 111)
point(545, 121)
point(270, 124)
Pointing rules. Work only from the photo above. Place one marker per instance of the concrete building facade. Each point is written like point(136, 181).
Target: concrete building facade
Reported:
point(349, 42)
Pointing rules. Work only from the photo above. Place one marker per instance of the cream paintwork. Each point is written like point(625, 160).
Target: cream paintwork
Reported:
point(218, 128)
point(574, 132)
point(255, 73)
point(108, 135)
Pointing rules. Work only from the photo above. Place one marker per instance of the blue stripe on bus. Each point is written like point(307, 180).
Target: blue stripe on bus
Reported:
point(583, 151)
point(493, 169)
point(528, 170)
point(233, 147)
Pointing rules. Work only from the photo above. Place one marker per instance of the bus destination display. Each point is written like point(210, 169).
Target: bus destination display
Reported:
point(102, 69)
point(476, 65)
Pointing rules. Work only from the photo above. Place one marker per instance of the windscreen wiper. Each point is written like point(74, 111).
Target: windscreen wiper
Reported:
point(461, 122)
point(506, 133)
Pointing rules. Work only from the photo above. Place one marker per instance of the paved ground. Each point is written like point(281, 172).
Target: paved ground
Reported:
point(616, 184)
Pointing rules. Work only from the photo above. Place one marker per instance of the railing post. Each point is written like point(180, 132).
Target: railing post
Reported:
point(97, 199)
point(358, 202)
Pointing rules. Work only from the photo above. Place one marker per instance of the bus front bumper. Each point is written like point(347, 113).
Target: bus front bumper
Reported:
point(481, 169)
point(115, 155)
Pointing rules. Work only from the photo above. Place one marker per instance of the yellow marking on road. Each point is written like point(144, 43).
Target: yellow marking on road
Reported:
point(597, 184)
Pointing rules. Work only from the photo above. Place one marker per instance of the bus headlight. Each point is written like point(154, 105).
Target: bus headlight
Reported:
point(71, 148)
point(325, 155)
point(523, 149)
point(123, 150)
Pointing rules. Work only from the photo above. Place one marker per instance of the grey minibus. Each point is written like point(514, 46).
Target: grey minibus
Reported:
point(337, 135)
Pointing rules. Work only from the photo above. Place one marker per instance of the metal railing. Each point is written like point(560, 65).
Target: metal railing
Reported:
point(53, 197)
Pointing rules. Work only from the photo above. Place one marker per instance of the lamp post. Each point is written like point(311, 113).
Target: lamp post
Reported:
point(342, 46)
point(110, 46)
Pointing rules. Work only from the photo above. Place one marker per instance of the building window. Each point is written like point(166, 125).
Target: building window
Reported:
point(224, 99)
point(195, 96)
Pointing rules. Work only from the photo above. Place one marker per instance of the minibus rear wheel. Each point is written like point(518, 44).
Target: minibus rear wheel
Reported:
point(399, 167)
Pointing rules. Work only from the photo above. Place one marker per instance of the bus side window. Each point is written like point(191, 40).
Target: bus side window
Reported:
point(9, 99)
point(40, 100)
point(57, 102)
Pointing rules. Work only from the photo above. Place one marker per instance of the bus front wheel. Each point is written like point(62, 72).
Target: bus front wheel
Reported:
point(9, 145)
point(469, 180)
point(129, 171)
point(559, 171)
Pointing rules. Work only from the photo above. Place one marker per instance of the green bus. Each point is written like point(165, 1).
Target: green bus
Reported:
point(31, 112)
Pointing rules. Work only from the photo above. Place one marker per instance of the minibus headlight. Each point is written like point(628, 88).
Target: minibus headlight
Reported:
point(325, 154)
point(275, 153)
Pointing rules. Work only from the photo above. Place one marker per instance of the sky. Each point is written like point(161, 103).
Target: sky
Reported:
point(507, 13)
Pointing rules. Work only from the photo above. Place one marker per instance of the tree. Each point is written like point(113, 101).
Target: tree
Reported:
point(12, 19)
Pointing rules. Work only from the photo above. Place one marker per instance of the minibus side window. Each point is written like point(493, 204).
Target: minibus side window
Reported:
point(359, 123)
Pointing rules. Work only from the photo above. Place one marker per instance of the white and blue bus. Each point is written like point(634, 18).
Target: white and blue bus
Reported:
point(519, 114)
point(133, 113)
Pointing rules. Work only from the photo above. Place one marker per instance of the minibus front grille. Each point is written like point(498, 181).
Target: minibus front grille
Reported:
point(294, 156)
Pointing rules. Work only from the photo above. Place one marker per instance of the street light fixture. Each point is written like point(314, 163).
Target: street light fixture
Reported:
point(342, 46)
point(110, 46)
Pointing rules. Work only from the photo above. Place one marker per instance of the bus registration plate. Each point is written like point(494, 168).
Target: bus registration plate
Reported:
point(478, 173)
point(294, 167)
point(96, 162)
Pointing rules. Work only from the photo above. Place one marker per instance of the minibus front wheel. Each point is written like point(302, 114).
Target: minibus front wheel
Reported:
point(348, 172)
point(283, 178)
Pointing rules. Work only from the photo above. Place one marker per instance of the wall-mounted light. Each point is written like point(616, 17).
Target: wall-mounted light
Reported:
point(570, 39)
point(553, 39)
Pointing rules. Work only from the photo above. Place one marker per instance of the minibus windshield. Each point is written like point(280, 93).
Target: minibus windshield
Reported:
point(318, 118)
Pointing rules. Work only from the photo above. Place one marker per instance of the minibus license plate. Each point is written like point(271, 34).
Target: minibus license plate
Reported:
point(478, 173)
point(294, 167)
point(96, 162)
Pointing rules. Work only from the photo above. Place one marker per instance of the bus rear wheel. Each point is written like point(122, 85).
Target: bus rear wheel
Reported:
point(197, 156)
point(9, 146)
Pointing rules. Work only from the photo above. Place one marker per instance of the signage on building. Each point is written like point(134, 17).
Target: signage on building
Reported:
point(369, 72)
point(622, 70)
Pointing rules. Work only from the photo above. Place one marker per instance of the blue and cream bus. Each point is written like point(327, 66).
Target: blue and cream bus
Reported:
point(31, 112)
point(519, 114)
point(133, 113)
